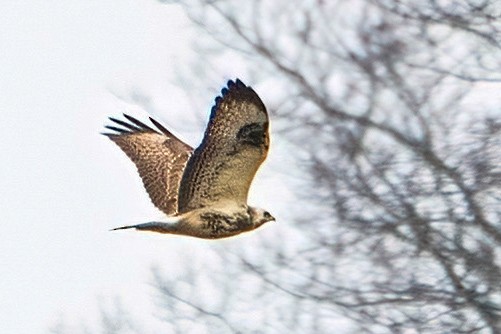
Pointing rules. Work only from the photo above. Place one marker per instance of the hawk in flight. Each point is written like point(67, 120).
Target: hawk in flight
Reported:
point(204, 191)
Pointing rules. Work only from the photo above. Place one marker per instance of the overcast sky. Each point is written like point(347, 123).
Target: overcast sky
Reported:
point(62, 185)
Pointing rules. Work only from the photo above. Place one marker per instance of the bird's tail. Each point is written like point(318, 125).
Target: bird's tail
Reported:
point(168, 226)
point(123, 227)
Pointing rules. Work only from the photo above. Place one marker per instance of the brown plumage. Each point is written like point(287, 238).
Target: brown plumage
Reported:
point(204, 192)
point(160, 158)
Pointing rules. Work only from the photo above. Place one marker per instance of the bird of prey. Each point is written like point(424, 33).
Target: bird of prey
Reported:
point(204, 191)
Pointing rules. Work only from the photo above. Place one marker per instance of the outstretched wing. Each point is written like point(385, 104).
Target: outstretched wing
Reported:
point(160, 158)
point(235, 144)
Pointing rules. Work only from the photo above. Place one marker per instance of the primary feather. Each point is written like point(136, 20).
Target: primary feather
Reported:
point(160, 158)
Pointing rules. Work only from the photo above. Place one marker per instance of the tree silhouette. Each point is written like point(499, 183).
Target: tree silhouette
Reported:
point(388, 104)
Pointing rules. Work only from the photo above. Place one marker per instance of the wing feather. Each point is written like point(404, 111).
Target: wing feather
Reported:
point(160, 158)
point(235, 144)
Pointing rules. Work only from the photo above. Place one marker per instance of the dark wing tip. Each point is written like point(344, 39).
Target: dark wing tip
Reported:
point(132, 126)
point(140, 125)
point(233, 84)
point(128, 126)
point(116, 129)
point(239, 83)
point(231, 87)
point(109, 135)
point(161, 127)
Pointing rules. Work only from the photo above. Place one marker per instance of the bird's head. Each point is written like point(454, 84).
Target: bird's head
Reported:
point(260, 216)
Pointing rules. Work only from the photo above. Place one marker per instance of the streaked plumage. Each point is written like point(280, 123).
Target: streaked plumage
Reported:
point(203, 191)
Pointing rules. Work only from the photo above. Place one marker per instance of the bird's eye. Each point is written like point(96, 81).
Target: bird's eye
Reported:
point(267, 214)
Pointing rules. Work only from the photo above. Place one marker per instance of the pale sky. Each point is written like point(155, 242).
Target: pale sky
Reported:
point(65, 66)
point(62, 185)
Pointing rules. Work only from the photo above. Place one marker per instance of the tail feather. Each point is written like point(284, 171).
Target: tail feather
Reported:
point(162, 227)
point(123, 227)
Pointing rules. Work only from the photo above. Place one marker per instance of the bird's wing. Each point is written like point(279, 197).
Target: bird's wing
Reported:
point(160, 158)
point(235, 144)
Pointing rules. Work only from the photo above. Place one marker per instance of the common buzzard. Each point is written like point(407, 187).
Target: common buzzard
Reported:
point(204, 191)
